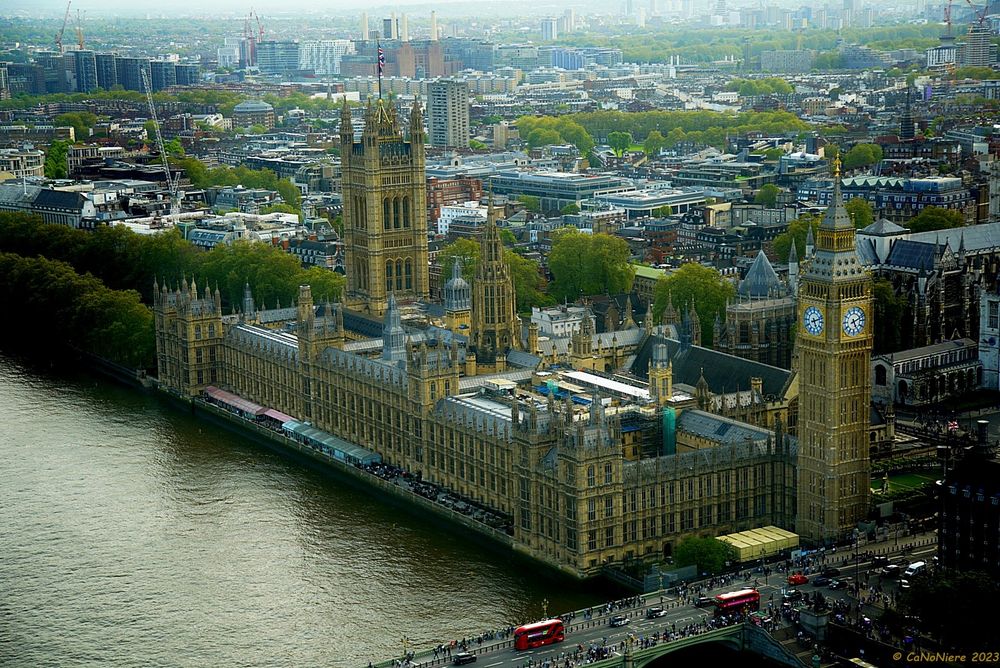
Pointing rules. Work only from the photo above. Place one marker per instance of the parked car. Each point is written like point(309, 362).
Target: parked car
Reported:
point(797, 579)
point(655, 612)
point(891, 571)
point(879, 561)
point(463, 658)
point(619, 620)
point(841, 583)
point(704, 602)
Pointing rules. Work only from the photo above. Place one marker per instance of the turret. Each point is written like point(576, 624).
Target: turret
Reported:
point(810, 241)
point(793, 269)
point(416, 123)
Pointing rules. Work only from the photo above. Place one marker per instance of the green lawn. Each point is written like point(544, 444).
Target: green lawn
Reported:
point(904, 481)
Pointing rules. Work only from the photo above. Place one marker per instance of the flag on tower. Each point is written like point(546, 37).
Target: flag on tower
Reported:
point(381, 61)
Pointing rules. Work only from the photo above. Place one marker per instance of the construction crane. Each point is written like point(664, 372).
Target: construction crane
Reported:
point(260, 28)
point(59, 35)
point(79, 30)
point(980, 14)
point(172, 187)
point(947, 19)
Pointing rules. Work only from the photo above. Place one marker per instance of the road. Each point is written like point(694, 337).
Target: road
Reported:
point(597, 632)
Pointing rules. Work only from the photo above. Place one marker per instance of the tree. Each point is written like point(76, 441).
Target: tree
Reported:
point(954, 604)
point(530, 202)
point(570, 209)
point(589, 264)
point(543, 137)
point(862, 155)
point(80, 121)
point(935, 218)
point(694, 284)
point(796, 233)
point(529, 284)
point(889, 311)
point(710, 555)
point(619, 142)
point(773, 154)
point(654, 142)
point(150, 129)
point(860, 211)
point(507, 237)
point(477, 145)
point(767, 195)
point(57, 160)
point(831, 152)
point(174, 148)
point(664, 211)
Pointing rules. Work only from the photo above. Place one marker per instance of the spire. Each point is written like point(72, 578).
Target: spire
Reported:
point(810, 241)
point(416, 122)
point(346, 127)
point(393, 334)
point(836, 217)
point(648, 323)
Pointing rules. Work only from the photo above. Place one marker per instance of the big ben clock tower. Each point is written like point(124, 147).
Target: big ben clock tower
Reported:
point(834, 346)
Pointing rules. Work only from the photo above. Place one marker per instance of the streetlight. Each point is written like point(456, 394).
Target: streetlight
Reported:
point(545, 608)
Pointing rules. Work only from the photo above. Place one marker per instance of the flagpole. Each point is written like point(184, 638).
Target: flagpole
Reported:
point(378, 65)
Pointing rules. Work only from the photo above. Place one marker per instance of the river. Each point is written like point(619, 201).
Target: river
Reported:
point(132, 534)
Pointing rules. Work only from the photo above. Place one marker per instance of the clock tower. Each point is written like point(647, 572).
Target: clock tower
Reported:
point(834, 352)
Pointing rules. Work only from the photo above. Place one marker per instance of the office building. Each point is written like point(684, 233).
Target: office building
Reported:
point(323, 56)
point(187, 74)
point(277, 57)
point(162, 74)
point(107, 70)
point(550, 30)
point(130, 72)
point(978, 50)
point(448, 113)
point(969, 512)
point(253, 112)
point(85, 71)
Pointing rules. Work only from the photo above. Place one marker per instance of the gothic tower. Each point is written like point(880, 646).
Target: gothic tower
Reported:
point(496, 327)
point(385, 209)
point(834, 356)
point(457, 300)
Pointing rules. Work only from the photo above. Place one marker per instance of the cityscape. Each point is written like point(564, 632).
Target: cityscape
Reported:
point(531, 336)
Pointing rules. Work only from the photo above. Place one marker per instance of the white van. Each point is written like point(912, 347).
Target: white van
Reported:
point(914, 569)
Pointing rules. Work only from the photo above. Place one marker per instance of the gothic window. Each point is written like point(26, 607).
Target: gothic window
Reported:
point(408, 273)
point(406, 211)
point(399, 275)
point(607, 473)
point(385, 213)
point(880, 375)
point(609, 507)
point(197, 331)
point(211, 330)
point(395, 213)
point(590, 476)
point(388, 276)
point(994, 315)
point(591, 509)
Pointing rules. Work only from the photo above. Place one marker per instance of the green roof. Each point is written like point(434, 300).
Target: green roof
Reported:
point(652, 273)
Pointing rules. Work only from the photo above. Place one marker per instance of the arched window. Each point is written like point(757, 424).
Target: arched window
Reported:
point(880, 375)
point(406, 211)
point(399, 275)
point(590, 476)
point(197, 331)
point(408, 273)
point(395, 213)
point(388, 276)
point(385, 213)
point(211, 330)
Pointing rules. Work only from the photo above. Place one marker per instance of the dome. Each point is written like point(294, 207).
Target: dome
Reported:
point(252, 107)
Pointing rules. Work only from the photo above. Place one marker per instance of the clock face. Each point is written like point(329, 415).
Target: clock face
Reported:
point(812, 320)
point(854, 321)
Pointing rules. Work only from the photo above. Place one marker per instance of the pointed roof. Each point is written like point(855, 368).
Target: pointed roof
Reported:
point(793, 255)
point(761, 279)
point(836, 216)
point(883, 227)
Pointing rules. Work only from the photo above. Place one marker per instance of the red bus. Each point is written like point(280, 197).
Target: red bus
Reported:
point(534, 635)
point(743, 600)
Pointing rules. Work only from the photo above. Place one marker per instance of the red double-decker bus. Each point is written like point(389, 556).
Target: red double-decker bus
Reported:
point(743, 600)
point(534, 635)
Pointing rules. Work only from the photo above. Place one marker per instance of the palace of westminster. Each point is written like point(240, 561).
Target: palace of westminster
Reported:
point(600, 447)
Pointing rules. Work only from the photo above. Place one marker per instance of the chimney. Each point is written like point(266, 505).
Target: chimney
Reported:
point(284, 244)
point(364, 25)
point(404, 29)
point(434, 26)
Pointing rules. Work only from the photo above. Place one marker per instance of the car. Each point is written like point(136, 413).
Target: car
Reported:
point(655, 612)
point(792, 595)
point(797, 579)
point(463, 658)
point(841, 583)
point(831, 572)
point(891, 571)
point(879, 561)
point(704, 602)
point(821, 581)
point(619, 620)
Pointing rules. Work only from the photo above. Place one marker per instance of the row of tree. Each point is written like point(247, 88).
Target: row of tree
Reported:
point(55, 305)
point(549, 130)
point(204, 177)
point(124, 260)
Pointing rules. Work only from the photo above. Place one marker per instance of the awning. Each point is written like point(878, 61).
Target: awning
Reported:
point(277, 415)
point(234, 401)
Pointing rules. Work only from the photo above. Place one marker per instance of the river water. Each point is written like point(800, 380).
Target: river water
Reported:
point(132, 534)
